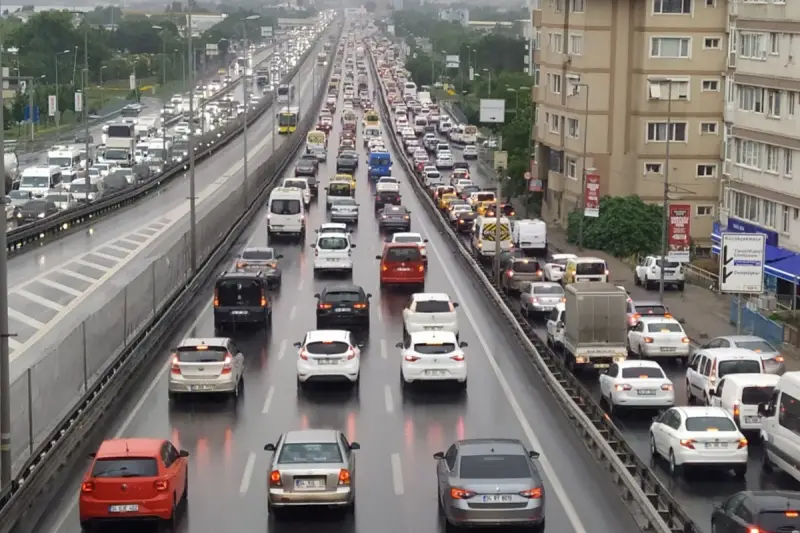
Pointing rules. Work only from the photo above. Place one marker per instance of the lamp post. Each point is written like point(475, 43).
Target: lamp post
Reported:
point(32, 94)
point(102, 88)
point(582, 204)
point(246, 89)
point(489, 72)
point(5, 358)
point(192, 198)
point(58, 111)
point(163, 55)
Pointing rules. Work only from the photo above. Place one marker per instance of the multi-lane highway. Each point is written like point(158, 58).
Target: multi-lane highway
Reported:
point(398, 432)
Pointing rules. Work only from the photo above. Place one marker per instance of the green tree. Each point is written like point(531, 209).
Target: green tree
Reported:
point(370, 6)
point(626, 227)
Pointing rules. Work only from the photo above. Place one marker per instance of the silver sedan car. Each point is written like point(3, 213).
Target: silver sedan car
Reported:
point(490, 483)
point(312, 468)
point(770, 355)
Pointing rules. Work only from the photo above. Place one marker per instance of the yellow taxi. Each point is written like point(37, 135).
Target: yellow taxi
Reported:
point(445, 199)
point(346, 177)
point(483, 207)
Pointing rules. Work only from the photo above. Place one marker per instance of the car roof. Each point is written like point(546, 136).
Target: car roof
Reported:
point(430, 297)
point(638, 363)
point(407, 234)
point(129, 448)
point(650, 303)
point(488, 446)
point(320, 335)
point(777, 500)
point(659, 319)
point(544, 284)
point(731, 353)
point(300, 436)
point(740, 338)
point(258, 249)
point(433, 337)
point(757, 380)
point(342, 287)
point(692, 411)
point(330, 234)
point(189, 342)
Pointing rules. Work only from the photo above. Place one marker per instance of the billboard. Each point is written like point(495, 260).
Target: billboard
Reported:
point(591, 202)
point(51, 105)
point(493, 111)
point(452, 61)
point(266, 32)
point(532, 177)
point(679, 218)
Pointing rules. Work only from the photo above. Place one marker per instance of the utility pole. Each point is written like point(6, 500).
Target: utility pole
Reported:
point(192, 194)
point(5, 378)
point(666, 197)
point(246, 89)
point(85, 102)
point(498, 212)
point(582, 204)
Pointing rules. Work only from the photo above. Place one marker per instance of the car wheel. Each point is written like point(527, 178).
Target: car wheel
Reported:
point(653, 450)
point(740, 471)
point(681, 286)
point(766, 464)
point(674, 469)
point(689, 395)
point(86, 527)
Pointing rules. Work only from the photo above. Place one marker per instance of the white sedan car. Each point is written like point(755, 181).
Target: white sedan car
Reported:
point(328, 355)
point(456, 210)
point(433, 356)
point(444, 160)
point(470, 152)
point(636, 384)
point(554, 268)
point(699, 436)
point(658, 336)
point(428, 311)
point(416, 238)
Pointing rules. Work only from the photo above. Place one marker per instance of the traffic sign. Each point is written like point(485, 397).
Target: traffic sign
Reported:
point(742, 263)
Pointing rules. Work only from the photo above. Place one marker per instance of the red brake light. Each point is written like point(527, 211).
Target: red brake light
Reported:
point(240, 264)
point(622, 387)
point(742, 443)
point(344, 477)
point(216, 297)
point(736, 409)
point(87, 486)
point(421, 268)
point(263, 298)
point(325, 306)
point(228, 366)
point(275, 479)
point(457, 357)
point(791, 514)
point(533, 494)
point(461, 494)
point(161, 485)
point(304, 355)
point(411, 358)
point(687, 443)
point(510, 273)
point(360, 306)
point(351, 354)
point(176, 368)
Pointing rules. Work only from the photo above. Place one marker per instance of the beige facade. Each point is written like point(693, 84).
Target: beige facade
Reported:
point(762, 115)
point(617, 63)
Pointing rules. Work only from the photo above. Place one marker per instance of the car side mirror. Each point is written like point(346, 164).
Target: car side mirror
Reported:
point(312, 245)
point(352, 246)
point(297, 344)
point(355, 446)
point(455, 304)
point(269, 447)
point(681, 321)
point(369, 295)
point(533, 455)
point(438, 455)
point(463, 344)
point(316, 296)
point(183, 453)
point(378, 257)
point(279, 256)
point(425, 240)
point(92, 455)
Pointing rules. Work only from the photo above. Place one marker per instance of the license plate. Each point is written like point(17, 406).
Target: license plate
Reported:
point(434, 373)
point(309, 484)
point(716, 445)
point(496, 498)
point(404, 270)
point(664, 349)
point(332, 259)
point(343, 310)
point(200, 387)
point(276, 226)
point(239, 313)
point(752, 419)
point(601, 365)
point(646, 392)
point(123, 508)
point(546, 307)
point(327, 362)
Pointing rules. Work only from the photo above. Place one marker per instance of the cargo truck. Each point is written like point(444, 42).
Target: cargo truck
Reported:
point(595, 325)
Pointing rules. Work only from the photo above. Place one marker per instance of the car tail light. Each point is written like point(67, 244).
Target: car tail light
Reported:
point(325, 306)
point(779, 359)
point(648, 340)
point(176, 368)
point(666, 386)
point(351, 354)
point(538, 272)
point(622, 387)
point(533, 494)
point(263, 298)
point(406, 217)
point(742, 443)
point(216, 297)
point(87, 486)
point(344, 477)
point(411, 358)
point(510, 273)
point(791, 514)
point(687, 443)
point(457, 357)
point(736, 409)
point(240, 264)
point(275, 479)
point(754, 530)
point(316, 252)
point(686, 340)
point(384, 268)
point(227, 367)
point(360, 306)
point(461, 494)
point(304, 355)
point(421, 268)
point(161, 485)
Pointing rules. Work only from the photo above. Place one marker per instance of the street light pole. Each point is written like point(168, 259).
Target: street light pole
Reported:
point(5, 363)
point(192, 199)
point(58, 111)
point(246, 89)
point(85, 100)
point(582, 204)
point(666, 195)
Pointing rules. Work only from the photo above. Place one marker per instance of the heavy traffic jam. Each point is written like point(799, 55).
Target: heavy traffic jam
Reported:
point(379, 140)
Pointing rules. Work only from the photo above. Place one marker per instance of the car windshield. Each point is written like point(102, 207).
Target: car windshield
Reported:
point(58, 197)
point(310, 453)
point(756, 395)
point(432, 306)
point(759, 345)
point(642, 372)
point(332, 243)
point(655, 309)
point(709, 423)
point(19, 195)
point(345, 201)
point(494, 467)
point(590, 269)
point(125, 467)
point(407, 238)
point(435, 349)
point(327, 347)
point(35, 181)
point(286, 207)
point(339, 188)
point(738, 366)
point(664, 327)
point(239, 292)
point(201, 354)
point(259, 255)
point(36, 205)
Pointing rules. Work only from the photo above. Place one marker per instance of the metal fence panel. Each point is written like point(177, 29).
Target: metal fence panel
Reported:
point(171, 271)
point(139, 305)
point(20, 422)
point(105, 336)
point(754, 323)
point(57, 383)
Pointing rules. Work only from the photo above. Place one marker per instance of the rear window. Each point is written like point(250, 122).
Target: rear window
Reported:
point(485, 197)
point(654, 310)
point(339, 188)
point(494, 467)
point(642, 372)
point(434, 349)
point(327, 348)
point(705, 423)
point(756, 395)
point(337, 297)
point(125, 467)
point(296, 184)
point(407, 238)
point(523, 266)
point(304, 453)
point(590, 269)
point(668, 264)
point(779, 521)
point(262, 255)
point(432, 306)
point(402, 254)
point(554, 289)
point(194, 354)
point(332, 243)
point(286, 207)
point(664, 327)
point(760, 346)
point(239, 292)
point(738, 367)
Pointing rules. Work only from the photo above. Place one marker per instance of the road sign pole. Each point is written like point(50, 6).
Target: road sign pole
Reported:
point(739, 314)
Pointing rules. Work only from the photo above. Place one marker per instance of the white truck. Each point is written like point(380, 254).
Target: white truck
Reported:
point(530, 236)
point(595, 325)
point(648, 273)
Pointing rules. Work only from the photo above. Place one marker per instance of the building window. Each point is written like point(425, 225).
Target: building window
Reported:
point(712, 43)
point(706, 171)
point(709, 128)
point(791, 100)
point(750, 98)
point(657, 131)
point(572, 168)
point(771, 153)
point(785, 219)
point(555, 123)
point(670, 47)
point(578, 6)
point(767, 212)
point(672, 7)
point(705, 210)
point(652, 168)
point(752, 45)
point(710, 85)
point(788, 162)
point(774, 44)
point(711, 3)
point(573, 128)
point(575, 44)
point(748, 153)
point(556, 84)
point(773, 103)
point(668, 90)
point(556, 43)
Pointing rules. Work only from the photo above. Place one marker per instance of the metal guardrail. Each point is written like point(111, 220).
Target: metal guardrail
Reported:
point(57, 225)
point(66, 441)
point(656, 509)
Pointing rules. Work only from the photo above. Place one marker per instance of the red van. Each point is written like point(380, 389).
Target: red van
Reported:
point(402, 264)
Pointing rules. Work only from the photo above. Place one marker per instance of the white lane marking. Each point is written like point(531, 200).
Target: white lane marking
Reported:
point(248, 473)
point(158, 378)
point(282, 350)
point(293, 312)
point(301, 285)
point(126, 251)
point(76, 275)
point(92, 264)
point(558, 488)
point(60, 286)
point(110, 257)
point(268, 400)
point(397, 475)
point(39, 300)
point(25, 319)
point(380, 313)
point(384, 349)
point(387, 399)
point(13, 344)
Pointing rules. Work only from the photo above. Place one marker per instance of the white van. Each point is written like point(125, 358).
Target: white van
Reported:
point(469, 134)
point(409, 89)
point(484, 235)
point(585, 269)
point(40, 179)
point(780, 426)
point(708, 366)
point(530, 236)
point(285, 215)
point(68, 159)
point(741, 394)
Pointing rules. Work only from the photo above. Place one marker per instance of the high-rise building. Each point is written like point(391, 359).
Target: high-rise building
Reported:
point(631, 91)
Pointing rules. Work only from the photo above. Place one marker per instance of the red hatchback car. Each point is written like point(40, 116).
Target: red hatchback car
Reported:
point(134, 480)
point(402, 264)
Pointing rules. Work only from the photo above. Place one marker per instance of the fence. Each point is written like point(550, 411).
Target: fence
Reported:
point(49, 389)
point(754, 323)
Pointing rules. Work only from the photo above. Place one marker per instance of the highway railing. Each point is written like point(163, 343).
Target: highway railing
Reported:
point(161, 297)
point(22, 238)
point(654, 508)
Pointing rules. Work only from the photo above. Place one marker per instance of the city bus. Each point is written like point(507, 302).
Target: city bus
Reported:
point(287, 120)
point(322, 59)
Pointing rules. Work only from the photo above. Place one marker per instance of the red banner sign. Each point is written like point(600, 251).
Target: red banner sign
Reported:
point(591, 201)
point(679, 219)
point(534, 183)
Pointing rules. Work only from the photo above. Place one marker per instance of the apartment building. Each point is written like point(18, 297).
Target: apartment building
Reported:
point(762, 127)
point(616, 78)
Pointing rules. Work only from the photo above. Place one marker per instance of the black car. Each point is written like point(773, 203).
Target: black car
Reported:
point(313, 158)
point(767, 511)
point(342, 305)
point(395, 218)
point(384, 198)
point(35, 210)
point(460, 164)
point(313, 186)
point(242, 299)
point(347, 162)
point(305, 167)
point(465, 221)
point(261, 259)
